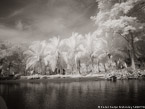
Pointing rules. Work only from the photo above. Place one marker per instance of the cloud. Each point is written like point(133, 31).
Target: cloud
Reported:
point(11, 34)
point(42, 19)
point(15, 13)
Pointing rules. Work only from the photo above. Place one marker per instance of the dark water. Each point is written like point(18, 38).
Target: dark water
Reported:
point(74, 95)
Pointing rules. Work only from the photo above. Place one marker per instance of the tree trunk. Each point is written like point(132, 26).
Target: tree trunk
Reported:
point(41, 67)
point(79, 66)
point(92, 60)
point(105, 67)
point(1, 65)
point(132, 61)
point(45, 68)
point(25, 71)
point(98, 64)
point(0, 69)
point(72, 70)
point(9, 67)
point(132, 52)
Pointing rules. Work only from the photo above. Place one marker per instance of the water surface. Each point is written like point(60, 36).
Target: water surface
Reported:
point(73, 95)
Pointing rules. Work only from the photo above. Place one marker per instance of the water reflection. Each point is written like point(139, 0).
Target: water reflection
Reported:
point(74, 95)
point(2, 103)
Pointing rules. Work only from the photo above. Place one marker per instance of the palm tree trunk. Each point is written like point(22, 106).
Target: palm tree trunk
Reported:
point(41, 67)
point(92, 60)
point(98, 64)
point(25, 71)
point(132, 52)
point(9, 67)
point(132, 61)
point(79, 66)
point(72, 70)
point(105, 67)
point(45, 67)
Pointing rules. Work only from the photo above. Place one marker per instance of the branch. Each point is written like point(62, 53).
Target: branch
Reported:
point(123, 37)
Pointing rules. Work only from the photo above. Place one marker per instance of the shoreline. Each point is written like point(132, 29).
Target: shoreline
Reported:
point(112, 76)
point(63, 80)
point(55, 80)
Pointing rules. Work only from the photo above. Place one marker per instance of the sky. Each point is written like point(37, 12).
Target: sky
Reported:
point(30, 20)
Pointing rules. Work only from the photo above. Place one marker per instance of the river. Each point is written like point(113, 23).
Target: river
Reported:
point(73, 95)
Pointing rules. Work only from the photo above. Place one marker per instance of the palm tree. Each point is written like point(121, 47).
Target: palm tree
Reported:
point(92, 45)
point(37, 56)
point(56, 59)
point(73, 51)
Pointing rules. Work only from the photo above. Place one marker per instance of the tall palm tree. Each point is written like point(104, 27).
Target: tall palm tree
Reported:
point(73, 51)
point(56, 59)
point(37, 56)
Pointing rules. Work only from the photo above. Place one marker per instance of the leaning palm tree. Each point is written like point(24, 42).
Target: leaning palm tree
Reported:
point(36, 56)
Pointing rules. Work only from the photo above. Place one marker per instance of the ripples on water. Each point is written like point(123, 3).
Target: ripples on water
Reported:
point(73, 95)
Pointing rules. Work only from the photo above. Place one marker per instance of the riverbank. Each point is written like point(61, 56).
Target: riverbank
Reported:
point(55, 78)
point(112, 75)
